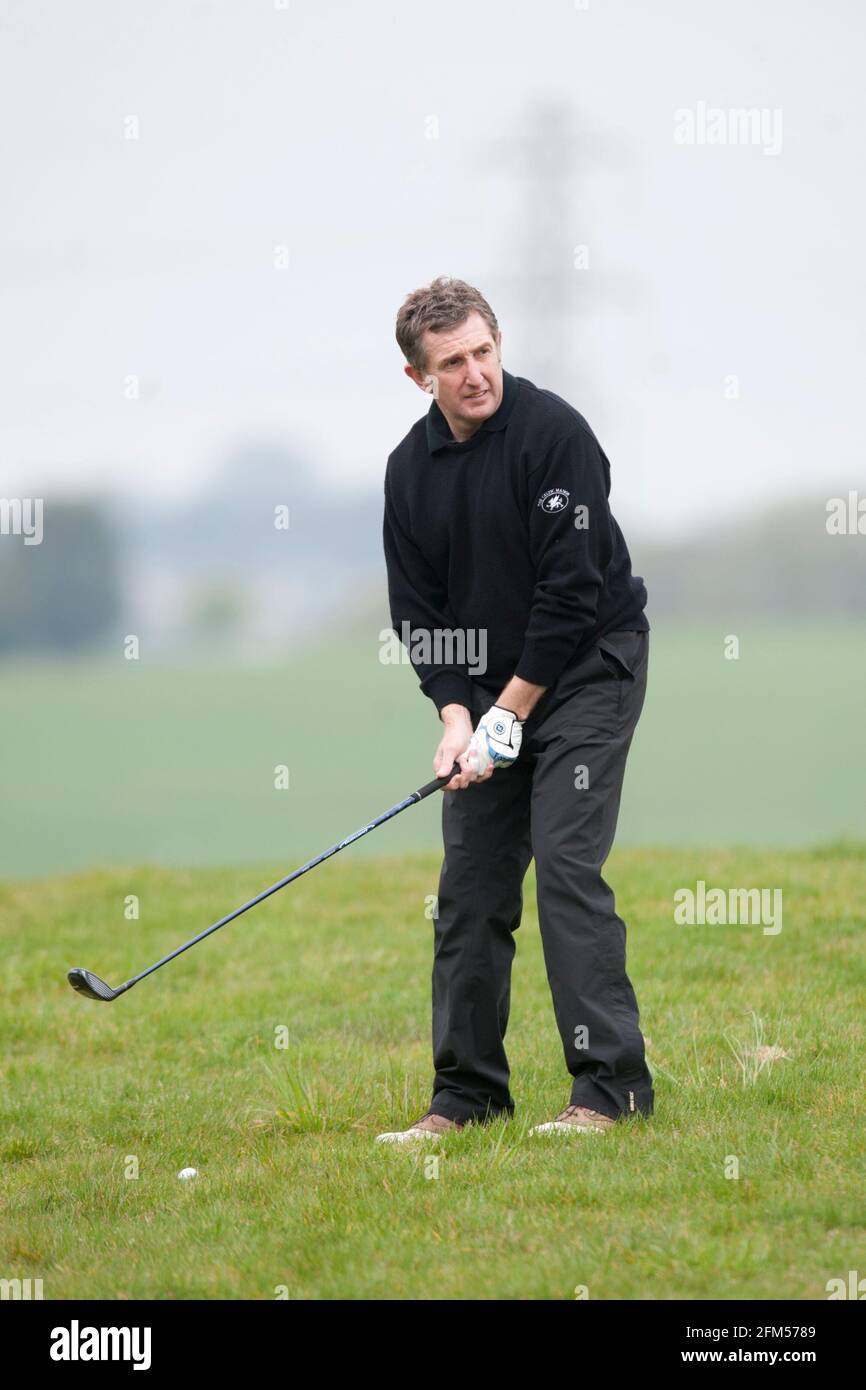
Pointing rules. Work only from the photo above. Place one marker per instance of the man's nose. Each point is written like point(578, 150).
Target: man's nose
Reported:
point(474, 375)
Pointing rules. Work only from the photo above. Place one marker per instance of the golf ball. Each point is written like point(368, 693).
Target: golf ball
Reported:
point(186, 1173)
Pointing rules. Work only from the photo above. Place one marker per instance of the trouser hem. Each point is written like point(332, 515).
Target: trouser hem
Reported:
point(453, 1109)
point(598, 1100)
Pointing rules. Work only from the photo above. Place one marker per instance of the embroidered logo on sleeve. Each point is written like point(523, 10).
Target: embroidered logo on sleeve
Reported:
point(554, 500)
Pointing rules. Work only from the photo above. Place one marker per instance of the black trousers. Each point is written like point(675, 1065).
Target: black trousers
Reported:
point(559, 805)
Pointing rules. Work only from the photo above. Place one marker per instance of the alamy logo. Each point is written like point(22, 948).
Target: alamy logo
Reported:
point(735, 125)
point(439, 646)
point(736, 907)
point(847, 517)
point(20, 1288)
point(22, 516)
point(855, 1288)
point(75, 1343)
point(554, 500)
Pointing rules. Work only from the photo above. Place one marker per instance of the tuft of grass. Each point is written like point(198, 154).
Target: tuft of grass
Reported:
point(755, 1057)
point(307, 1102)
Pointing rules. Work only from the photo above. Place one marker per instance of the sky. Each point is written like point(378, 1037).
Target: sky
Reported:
point(715, 340)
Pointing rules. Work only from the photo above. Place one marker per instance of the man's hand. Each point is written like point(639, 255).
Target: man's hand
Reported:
point(497, 740)
point(455, 748)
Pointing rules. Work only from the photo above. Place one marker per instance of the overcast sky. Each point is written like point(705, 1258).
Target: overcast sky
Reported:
point(380, 143)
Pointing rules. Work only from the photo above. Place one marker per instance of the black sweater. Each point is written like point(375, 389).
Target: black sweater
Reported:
point(508, 532)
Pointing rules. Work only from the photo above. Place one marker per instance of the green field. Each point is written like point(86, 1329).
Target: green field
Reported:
point(114, 762)
point(756, 1043)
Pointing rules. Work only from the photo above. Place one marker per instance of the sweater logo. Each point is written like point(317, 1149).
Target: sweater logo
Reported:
point(554, 500)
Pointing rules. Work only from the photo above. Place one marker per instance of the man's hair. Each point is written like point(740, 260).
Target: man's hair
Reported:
point(441, 305)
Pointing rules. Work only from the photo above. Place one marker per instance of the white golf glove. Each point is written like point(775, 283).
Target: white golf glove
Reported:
point(496, 740)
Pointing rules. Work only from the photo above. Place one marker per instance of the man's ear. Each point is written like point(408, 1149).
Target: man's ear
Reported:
point(422, 379)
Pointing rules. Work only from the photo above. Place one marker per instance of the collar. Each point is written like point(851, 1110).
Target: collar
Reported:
point(439, 434)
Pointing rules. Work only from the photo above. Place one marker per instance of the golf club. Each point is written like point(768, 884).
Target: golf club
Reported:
point(92, 987)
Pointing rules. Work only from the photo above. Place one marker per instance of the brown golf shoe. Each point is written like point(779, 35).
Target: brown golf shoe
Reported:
point(430, 1126)
point(575, 1117)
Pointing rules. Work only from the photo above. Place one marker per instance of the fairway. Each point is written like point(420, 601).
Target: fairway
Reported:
point(745, 1184)
point(117, 762)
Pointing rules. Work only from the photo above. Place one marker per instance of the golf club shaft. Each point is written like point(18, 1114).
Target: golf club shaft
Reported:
point(435, 785)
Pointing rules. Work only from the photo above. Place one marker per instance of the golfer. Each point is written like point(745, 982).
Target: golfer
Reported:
point(513, 583)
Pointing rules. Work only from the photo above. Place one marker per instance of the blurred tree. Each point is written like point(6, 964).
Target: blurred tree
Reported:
point(63, 594)
point(216, 610)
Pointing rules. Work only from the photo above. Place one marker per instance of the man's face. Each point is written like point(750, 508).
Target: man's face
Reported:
point(464, 369)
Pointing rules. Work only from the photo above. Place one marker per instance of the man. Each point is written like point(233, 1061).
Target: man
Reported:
point(497, 526)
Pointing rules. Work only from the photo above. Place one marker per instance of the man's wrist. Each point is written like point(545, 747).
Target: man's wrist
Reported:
point(520, 697)
point(454, 714)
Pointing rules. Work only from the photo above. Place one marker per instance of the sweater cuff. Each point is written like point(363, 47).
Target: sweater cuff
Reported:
point(540, 666)
point(448, 688)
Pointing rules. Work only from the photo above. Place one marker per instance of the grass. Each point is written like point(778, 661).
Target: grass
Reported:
point(270, 1056)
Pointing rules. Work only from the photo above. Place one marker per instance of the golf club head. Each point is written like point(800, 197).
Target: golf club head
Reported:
point(91, 986)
